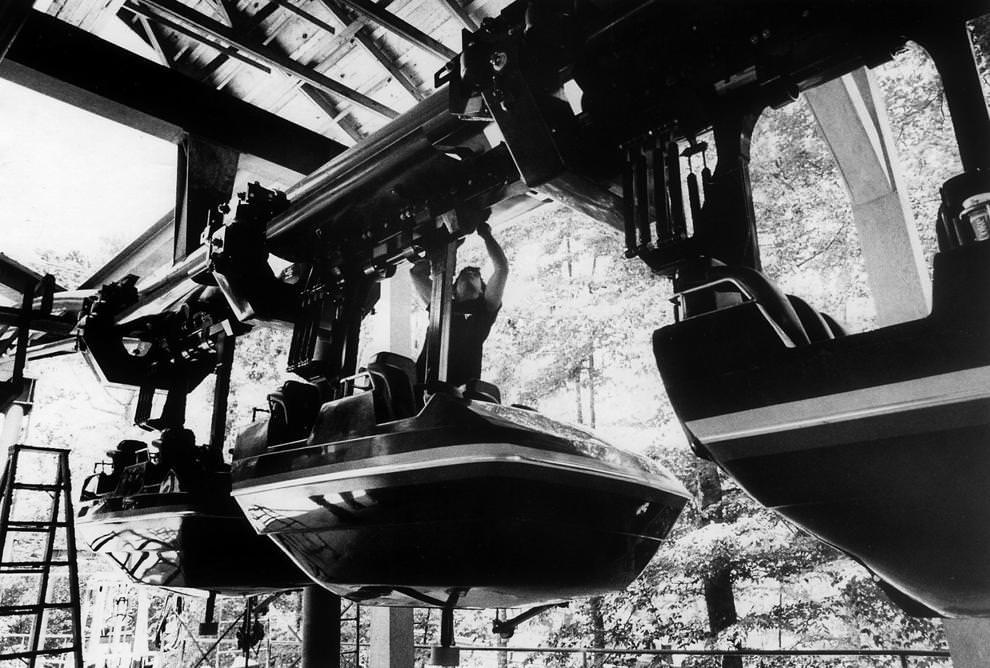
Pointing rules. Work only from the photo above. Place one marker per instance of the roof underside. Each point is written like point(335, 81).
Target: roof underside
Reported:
point(341, 68)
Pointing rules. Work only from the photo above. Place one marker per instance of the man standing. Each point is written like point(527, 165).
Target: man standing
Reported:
point(476, 305)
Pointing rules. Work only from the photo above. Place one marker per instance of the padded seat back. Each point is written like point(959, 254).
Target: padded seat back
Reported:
point(712, 345)
point(343, 419)
point(813, 322)
point(479, 390)
point(766, 294)
point(126, 453)
point(293, 411)
point(393, 377)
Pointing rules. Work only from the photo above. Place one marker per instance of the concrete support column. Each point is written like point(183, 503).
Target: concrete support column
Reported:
point(391, 638)
point(139, 644)
point(392, 628)
point(320, 628)
point(97, 616)
point(969, 642)
point(13, 423)
point(396, 305)
point(851, 114)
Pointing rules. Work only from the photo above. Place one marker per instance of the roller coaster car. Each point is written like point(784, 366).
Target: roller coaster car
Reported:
point(874, 442)
point(166, 518)
point(462, 502)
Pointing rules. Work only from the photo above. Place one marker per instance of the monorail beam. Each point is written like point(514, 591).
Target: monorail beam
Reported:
point(71, 65)
point(149, 251)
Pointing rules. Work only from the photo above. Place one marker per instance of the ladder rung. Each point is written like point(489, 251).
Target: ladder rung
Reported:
point(38, 448)
point(12, 610)
point(40, 652)
point(13, 567)
point(37, 487)
point(34, 526)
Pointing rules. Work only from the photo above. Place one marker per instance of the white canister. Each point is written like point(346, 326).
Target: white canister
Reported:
point(976, 211)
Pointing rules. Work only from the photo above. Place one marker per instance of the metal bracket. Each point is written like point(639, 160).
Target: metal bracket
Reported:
point(507, 627)
point(443, 259)
point(502, 76)
point(206, 175)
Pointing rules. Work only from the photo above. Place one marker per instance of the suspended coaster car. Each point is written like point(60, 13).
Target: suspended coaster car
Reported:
point(164, 513)
point(462, 502)
point(166, 519)
point(875, 442)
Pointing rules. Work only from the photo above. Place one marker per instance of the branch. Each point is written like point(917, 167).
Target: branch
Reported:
point(825, 248)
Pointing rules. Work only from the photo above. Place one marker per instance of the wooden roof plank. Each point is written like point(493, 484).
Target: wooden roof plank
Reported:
point(217, 30)
point(90, 16)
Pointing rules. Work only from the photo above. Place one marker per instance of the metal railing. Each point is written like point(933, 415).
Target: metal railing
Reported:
point(902, 655)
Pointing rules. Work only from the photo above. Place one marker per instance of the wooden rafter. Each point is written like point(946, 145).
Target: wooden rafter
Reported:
point(461, 14)
point(373, 12)
point(354, 26)
point(249, 28)
point(222, 9)
point(377, 51)
point(323, 101)
point(327, 106)
point(229, 51)
point(217, 30)
point(299, 11)
point(155, 41)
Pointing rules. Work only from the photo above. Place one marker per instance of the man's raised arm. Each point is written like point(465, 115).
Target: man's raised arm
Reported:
point(420, 274)
point(495, 285)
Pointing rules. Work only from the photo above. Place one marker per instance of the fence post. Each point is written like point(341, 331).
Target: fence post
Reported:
point(584, 659)
point(904, 661)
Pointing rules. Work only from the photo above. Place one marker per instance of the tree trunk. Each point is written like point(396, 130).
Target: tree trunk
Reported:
point(719, 597)
point(597, 629)
point(579, 405)
point(570, 264)
point(592, 418)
